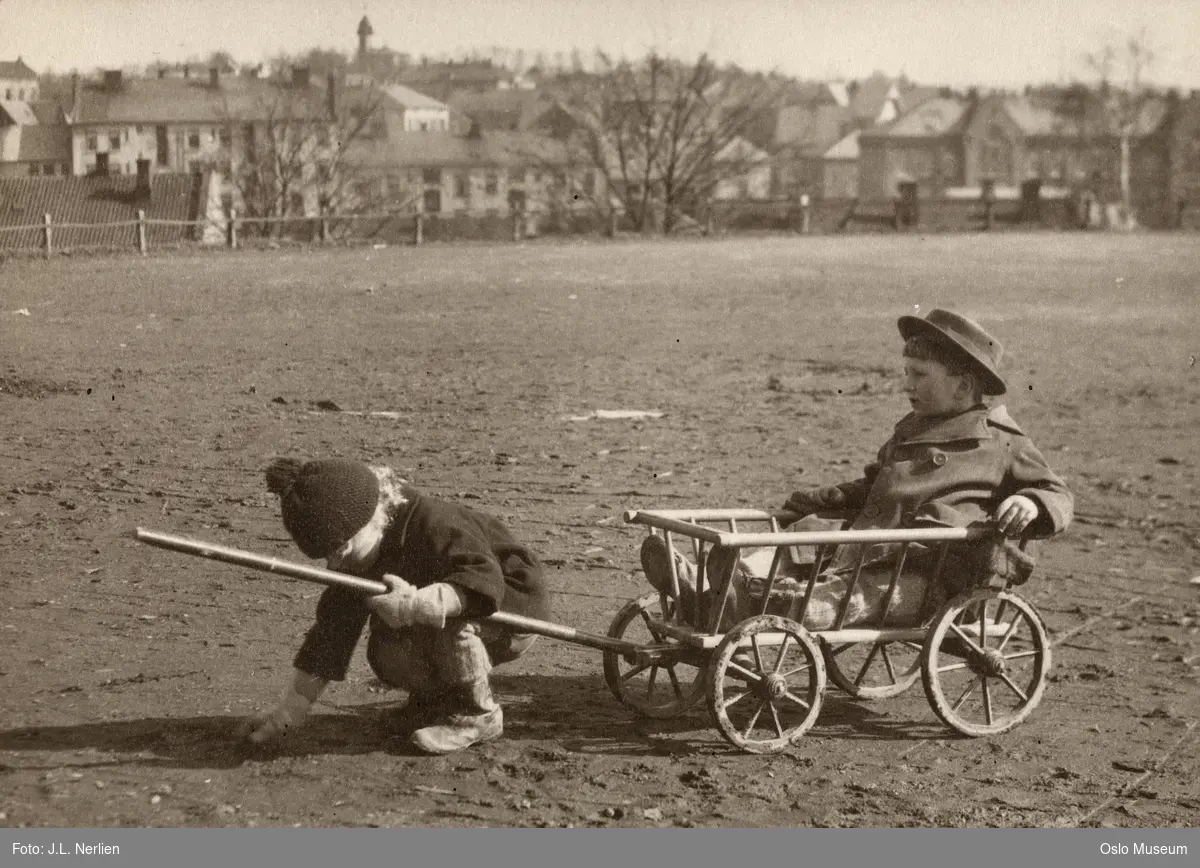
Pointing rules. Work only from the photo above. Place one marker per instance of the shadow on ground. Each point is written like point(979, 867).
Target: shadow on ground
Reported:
point(578, 712)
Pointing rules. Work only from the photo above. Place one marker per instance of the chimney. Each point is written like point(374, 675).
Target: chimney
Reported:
point(299, 76)
point(214, 77)
point(75, 96)
point(143, 178)
point(112, 79)
point(102, 164)
point(331, 95)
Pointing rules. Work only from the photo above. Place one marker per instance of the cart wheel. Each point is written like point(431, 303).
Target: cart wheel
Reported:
point(765, 684)
point(985, 661)
point(873, 670)
point(659, 690)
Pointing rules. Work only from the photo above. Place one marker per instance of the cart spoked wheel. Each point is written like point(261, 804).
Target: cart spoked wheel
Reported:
point(985, 662)
point(659, 689)
point(873, 670)
point(766, 680)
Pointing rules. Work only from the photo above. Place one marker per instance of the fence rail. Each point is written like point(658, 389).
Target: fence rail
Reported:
point(803, 217)
point(49, 237)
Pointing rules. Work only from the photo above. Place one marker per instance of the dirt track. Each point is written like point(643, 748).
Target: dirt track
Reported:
point(152, 392)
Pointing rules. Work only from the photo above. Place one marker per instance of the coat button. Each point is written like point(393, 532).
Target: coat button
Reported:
point(939, 458)
point(871, 511)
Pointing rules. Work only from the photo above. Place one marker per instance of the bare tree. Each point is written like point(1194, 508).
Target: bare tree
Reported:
point(292, 162)
point(1123, 91)
point(663, 133)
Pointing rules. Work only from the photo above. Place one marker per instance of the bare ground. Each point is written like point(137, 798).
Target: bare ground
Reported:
point(151, 392)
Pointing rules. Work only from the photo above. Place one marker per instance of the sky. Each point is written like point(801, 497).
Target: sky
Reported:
point(943, 42)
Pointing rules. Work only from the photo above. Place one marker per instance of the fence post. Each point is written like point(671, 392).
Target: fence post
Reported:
point(419, 229)
point(141, 231)
point(324, 227)
point(233, 229)
point(805, 214)
point(517, 225)
point(46, 230)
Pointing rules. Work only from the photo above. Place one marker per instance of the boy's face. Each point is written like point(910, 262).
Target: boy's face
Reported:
point(934, 391)
point(359, 552)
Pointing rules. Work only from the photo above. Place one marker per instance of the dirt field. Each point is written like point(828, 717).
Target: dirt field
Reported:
point(153, 392)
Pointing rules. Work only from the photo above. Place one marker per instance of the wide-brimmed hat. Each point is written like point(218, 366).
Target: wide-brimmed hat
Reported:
point(979, 348)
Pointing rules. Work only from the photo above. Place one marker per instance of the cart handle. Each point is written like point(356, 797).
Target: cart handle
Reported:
point(368, 587)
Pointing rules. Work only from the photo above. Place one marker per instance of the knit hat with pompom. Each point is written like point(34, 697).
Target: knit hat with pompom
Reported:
point(324, 502)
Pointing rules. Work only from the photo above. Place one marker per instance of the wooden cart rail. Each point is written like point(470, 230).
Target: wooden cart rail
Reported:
point(683, 522)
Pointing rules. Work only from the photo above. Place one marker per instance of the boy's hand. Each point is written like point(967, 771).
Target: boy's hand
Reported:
point(291, 711)
point(396, 607)
point(812, 500)
point(404, 605)
point(1015, 514)
point(267, 726)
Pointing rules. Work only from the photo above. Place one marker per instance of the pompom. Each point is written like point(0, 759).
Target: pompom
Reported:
point(282, 475)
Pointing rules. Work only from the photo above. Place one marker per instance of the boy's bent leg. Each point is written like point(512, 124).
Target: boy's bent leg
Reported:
point(472, 714)
point(503, 645)
point(656, 564)
point(403, 659)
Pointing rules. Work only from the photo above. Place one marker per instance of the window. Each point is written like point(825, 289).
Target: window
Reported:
point(114, 140)
point(462, 186)
point(161, 145)
point(226, 137)
point(33, 169)
point(432, 177)
point(8, 93)
point(491, 183)
point(193, 139)
point(92, 143)
point(21, 94)
point(47, 168)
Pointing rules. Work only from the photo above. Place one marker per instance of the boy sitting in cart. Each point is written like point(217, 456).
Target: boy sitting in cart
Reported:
point(444, 565)
point(951, 462)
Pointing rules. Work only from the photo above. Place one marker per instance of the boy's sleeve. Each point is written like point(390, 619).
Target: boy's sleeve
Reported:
point(1030, 476)
point(856, 492)
point(330, 642)
point(472, 567)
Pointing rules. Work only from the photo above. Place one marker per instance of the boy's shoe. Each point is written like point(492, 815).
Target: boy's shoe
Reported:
point(420, 710)
point(457, 731)
point(656, 564)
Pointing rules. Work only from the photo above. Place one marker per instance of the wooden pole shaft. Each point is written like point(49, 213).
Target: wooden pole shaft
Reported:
point(367, 587)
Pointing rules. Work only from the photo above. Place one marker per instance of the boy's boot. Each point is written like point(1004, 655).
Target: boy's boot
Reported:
point(421, 709)
point(471, 714)
point(656, 564)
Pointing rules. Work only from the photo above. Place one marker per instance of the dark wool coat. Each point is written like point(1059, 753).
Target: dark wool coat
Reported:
point(430, 541)
point(954, 471)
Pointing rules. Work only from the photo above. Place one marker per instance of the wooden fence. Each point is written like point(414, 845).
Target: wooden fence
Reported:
point(815, 217)
point(48, 237)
